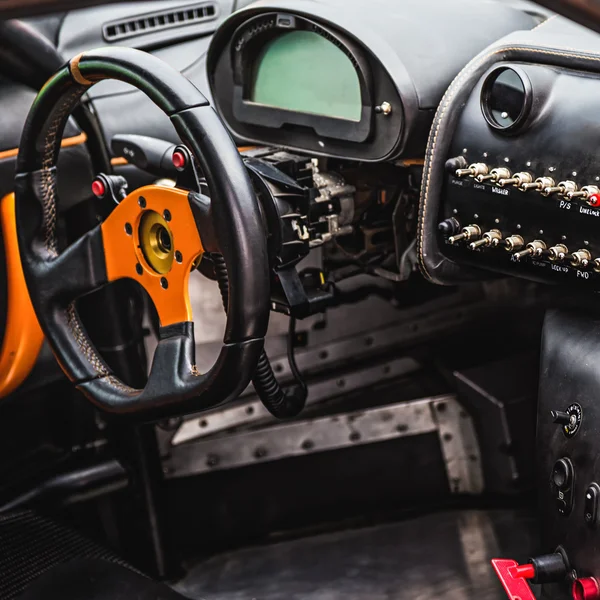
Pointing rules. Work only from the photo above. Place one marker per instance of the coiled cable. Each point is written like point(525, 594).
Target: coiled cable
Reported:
point(283, 404)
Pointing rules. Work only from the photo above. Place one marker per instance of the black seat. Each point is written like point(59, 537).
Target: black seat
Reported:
point(94, 579)
point(41, 559)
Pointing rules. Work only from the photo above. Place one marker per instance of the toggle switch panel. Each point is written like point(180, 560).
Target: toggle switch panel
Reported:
point(528, 183)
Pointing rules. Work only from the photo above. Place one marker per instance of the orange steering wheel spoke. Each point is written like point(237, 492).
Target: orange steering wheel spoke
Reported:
point(152, 237)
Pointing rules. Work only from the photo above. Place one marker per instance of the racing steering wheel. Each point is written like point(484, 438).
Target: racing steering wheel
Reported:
point(122, 245)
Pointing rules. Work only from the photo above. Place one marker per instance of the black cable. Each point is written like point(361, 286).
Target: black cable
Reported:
point(281, 404)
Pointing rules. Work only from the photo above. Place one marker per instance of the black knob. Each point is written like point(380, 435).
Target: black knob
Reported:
point(562, 474)
point(453, 164)
point(550, 568)
point(560, 418)
point(449, 226)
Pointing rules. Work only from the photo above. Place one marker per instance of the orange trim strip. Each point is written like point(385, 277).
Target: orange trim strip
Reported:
point(408, 162)
point(23, 337)
point(124, 257)
point(76, 140)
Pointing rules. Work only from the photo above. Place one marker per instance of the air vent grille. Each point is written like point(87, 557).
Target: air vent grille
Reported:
point(159, 21)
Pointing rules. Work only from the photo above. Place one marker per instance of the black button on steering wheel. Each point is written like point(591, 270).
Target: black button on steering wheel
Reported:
point(114, 249)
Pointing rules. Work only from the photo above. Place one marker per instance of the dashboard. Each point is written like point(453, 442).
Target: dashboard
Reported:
point(512, 187)
point(518, 188)
point(526, 197)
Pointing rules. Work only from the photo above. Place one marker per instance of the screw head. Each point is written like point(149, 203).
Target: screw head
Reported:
point(164, 284)
point(128, 228)
point(178, 256)
point(142, 202)
point(138, 269)
point(167, 214)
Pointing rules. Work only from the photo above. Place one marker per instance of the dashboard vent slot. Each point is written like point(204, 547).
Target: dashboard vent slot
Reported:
point(159, 21)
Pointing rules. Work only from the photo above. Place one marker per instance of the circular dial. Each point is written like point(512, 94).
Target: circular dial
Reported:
point(506, 98)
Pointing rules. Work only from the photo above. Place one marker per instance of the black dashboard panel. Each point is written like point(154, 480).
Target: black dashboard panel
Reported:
point(548, 96)
point(557, 140)
point(405, 55)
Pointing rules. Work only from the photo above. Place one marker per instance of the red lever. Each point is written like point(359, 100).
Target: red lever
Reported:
point(514, 578)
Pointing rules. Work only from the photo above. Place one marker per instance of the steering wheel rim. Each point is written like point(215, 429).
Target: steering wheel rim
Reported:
point(56, 280)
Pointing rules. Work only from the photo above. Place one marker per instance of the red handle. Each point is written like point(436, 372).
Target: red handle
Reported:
point(514, 578)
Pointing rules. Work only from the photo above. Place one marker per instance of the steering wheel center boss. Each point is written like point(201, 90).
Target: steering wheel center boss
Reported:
point(155, 236)
point(141, 244)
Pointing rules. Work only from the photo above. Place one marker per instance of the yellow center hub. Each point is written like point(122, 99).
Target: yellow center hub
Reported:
point(156, 242)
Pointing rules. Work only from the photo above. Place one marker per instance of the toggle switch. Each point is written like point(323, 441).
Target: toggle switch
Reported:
point(585, 192)
point(513, 243)
point(495, 175)
point(489, 238)
point(562, 418)
point(518, 179)
point(474, 170)
point(467, 233)
point(562, 474)
point(590, 505)
point(562, 478)
point(594, 199)
point(538, 185)
point(581, 258)
point(562, 188)
point(558, 253)
point(535, 248)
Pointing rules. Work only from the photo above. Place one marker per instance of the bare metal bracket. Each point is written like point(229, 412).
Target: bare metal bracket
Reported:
point(441, 414)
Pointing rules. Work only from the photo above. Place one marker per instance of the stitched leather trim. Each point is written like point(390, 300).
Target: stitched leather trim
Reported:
point(83, 342)
point(50, 214)
point(48, 176)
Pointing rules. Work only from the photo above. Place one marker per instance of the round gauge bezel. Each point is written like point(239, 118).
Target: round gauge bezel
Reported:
point(490, 79)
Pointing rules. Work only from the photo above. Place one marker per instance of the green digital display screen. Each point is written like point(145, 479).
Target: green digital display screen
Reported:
point(304, 72)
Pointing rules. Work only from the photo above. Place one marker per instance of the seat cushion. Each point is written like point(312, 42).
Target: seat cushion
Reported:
point(95, 579)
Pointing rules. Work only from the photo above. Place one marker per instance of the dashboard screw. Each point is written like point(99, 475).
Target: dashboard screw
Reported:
point(164, 283)
point(167, 214)
point(128, 228)
point(138, 269)
point(178, 256)
point(260, 452)
point(142, 202)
